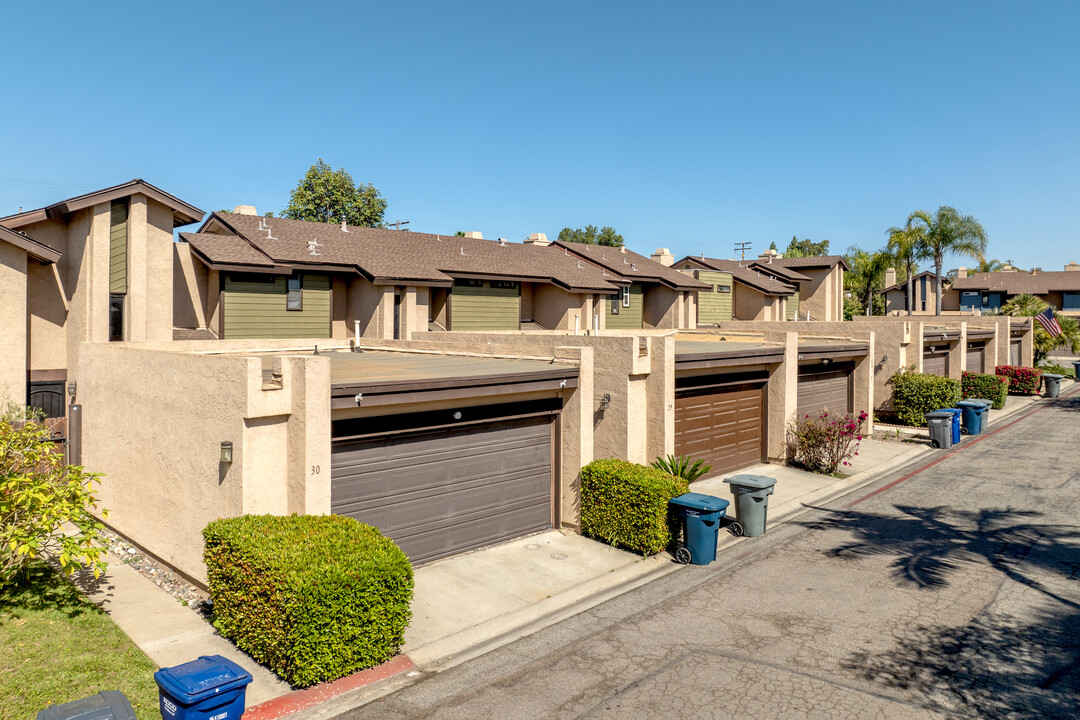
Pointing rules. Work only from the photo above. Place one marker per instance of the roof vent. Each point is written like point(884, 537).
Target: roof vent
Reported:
point(475, 235)
point(1072, 266)
point(344, 227)
point(538, 239)
point(502, 241)
point(245, 210)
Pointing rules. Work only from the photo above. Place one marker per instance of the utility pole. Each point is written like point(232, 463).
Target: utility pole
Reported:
point(741, 248)
point(398, 223)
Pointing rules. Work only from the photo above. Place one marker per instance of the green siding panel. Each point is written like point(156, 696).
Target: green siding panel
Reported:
point(485, 307)
point(118, 232)
point(793, 306)
point(256, 310)
point(714, 306)
point(629, 318)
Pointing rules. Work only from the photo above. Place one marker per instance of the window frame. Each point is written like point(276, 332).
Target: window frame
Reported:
point(294, 297)
point(626, 296)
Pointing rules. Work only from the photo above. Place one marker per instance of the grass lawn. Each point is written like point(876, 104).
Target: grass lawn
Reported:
point(55, 647)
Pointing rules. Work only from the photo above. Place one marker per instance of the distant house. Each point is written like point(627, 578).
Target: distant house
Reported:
point(924, 293)
point(93, 268)
point(821, 297)
point(253, 277)
point(987, 291)
point(740, 291)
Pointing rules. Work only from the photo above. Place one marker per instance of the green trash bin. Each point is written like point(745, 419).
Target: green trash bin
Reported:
point(751, 501)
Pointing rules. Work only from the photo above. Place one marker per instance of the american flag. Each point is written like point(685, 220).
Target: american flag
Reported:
point(1049, 322)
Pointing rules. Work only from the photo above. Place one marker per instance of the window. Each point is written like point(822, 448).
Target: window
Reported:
point(626, 296)
point(504, 284)
point(614, 303)
point(469, 282)
point(265, 278)
point(116, 318)
point(922, 291)
point(723, 288)
point(294, 296)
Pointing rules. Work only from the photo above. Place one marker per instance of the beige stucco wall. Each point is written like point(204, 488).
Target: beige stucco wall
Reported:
point(823, 296)
point(373, 306)
point(751, 305)
point(190, 288)
point(153, 423)
point(47, 306)
point(13, 323)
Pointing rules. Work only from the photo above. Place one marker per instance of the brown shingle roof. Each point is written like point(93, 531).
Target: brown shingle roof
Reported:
point(226, 249)
point(745, 275)
point(778, 270)
point(38, 250)
point(1016, 283)
point(815, 261)
point(183, 213)
point(396, 256)
point(629, 265)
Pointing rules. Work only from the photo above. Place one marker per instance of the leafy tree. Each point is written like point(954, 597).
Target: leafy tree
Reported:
point(944, 232)
point(907, 245)
point(806, 248)
point(772, 245)
point(1025, 305)
point(45, 505)
point(852, 307)
point(330, 196)
point(867, 276)
point(591, 236)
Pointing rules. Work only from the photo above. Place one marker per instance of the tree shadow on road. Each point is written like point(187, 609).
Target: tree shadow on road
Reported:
point(989, 668)
point(931, 543)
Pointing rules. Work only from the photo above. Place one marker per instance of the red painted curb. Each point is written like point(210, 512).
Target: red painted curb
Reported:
point(949, 454)
point(302, 699)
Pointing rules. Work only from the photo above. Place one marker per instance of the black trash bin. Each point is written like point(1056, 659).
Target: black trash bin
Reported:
point(701, 517)
point(107, 705)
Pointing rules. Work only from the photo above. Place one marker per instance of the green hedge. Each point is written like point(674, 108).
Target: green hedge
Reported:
point(1022, 380)
point(915, 394)
point(312, 597)
point(626, 505)
point(988, 387)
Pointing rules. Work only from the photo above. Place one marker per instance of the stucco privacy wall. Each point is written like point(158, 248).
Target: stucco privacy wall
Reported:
point(153, 424)
point(13, 323)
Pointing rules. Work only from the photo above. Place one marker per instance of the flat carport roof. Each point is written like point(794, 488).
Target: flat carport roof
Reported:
point(695, 354)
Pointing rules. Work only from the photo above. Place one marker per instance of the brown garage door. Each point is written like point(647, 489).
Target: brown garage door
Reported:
point(976, 354)
point(935, 364)
point(821, 390)
point(1015, 347)
point(440, 492)
point(720, 426)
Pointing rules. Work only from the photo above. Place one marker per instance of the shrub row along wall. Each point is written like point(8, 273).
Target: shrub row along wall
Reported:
point(987, 387)
point(626, 505)
point(312, 597)
point(915, 394)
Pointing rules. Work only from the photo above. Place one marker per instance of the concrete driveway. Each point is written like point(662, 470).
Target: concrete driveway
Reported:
point(953, 592)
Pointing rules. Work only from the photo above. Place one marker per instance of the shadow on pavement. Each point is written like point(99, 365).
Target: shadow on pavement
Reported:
point(929, 543)
point(988, 668)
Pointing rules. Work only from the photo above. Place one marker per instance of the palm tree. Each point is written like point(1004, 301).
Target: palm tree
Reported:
point(947, 231)
point(867, 271)
point(1025, 305)
point(907, 245)
point(988, 265)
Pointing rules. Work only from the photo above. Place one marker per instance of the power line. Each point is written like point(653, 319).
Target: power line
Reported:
point(742, 247)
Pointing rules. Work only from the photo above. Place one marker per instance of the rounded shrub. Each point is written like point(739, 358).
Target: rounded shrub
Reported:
point(626, 504)
point(312, 597)
point(914, 394)
point(987, 387)
point(1022, 380)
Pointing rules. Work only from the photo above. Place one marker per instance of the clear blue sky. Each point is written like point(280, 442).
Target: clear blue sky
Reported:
point(690, 125)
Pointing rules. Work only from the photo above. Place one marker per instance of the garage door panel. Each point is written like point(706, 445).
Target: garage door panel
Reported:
point(821, 391)
point(721, 427)
point(975, 359)
point(935, 364)
point(440, 492)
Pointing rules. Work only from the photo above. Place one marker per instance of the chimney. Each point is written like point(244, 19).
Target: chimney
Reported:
point(1007, 267)
point(1034, 270)
point(1072, 266)
point(768, 255)
point(475, 235)
point(538, 239)
point(961, 273)
point(664, 257)
point(244, 210)
point(890, 277)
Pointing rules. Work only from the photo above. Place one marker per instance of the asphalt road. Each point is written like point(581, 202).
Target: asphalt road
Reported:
point(951, 593)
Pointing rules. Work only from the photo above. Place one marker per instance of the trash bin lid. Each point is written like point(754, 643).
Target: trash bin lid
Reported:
point(106, 705)
point(970, 404)
point(697, 501)
point(758, 482)
point(202, 678)
point(1052, 376)
point(940, 414)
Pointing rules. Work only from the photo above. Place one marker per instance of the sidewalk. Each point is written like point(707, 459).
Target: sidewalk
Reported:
point(467, 605)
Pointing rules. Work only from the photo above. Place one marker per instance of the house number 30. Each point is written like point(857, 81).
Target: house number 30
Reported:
point(315, 469)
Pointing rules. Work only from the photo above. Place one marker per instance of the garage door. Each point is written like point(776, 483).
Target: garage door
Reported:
point(440, 492)
point(720, 426)
point(935, 364)
point(821, 390)
point(1014, 352)
point(976, 355)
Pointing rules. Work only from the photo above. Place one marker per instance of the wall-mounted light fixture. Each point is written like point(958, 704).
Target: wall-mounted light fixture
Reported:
point(226, 452)
point(826, 361)
point(605, 401)
point(71, 387)
point(884, 358)
point(457, 415)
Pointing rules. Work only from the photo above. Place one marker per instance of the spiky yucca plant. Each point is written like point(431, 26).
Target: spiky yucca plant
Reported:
point(681, 467)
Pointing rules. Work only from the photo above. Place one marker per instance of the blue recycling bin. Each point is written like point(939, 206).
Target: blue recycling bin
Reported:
point(972, 416)
point(1076, 370)
point(210, 687)
point(702, 514)
point(957, 412)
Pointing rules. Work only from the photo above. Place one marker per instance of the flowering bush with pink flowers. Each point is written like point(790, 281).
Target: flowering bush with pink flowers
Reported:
point(826, 441)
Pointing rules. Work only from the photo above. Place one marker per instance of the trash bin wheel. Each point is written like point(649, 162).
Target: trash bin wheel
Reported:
point(934, 444)
point(735, 529)
point(964, 431)
point(682, 556)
